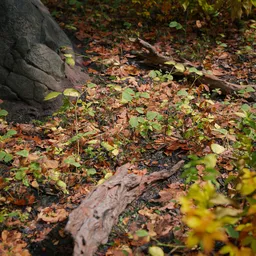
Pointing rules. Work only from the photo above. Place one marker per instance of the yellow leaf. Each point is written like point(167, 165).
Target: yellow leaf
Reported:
point(193, 221)
point(71, 92)
point(216, 148)
point(185, 204)
point(115, 152)
point(155, 251)
point(220, 199)
point(107, 146)
point(70, 61)
point(219, 236)
point(210, 161)
point(108, 175)
point(222, 212)
point(252, 210)
point(207, 242)
point(192, 240)
point(101, 181)
point(171, 62)
point(180, 67)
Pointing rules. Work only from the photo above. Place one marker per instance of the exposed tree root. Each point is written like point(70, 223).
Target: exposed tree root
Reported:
point(91, 223)
point(152, 57)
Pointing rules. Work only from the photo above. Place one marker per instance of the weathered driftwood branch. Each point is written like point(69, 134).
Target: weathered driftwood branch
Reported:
point(155, 58)
point(91, 223)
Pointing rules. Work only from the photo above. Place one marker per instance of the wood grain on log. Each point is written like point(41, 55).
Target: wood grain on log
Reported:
point(91, 223)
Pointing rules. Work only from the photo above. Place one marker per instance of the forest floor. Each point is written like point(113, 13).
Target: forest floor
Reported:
point(129, 112)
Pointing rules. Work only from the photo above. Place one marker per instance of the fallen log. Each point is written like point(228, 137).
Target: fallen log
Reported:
point(91, 223)
point(155, 58)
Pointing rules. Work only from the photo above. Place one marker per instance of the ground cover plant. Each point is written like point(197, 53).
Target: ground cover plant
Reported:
point(151, 116)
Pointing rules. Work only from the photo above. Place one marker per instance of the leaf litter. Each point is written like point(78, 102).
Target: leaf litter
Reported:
point(48, 167)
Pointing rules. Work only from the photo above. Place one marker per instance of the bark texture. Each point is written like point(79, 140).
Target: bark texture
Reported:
point(91, 223)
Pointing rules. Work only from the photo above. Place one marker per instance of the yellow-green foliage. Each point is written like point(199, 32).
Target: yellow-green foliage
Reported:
point(208, 8)
point(235, 7)
point(212, 216)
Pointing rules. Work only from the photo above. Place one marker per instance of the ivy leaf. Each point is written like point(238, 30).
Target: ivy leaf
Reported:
point(195, 70)
point(2, 155)
point(175, 24)
point(23, 153)
point(127, 95)
point(145, 95)
point(3, 112)
point(157, 126)
point(8, 157)
point(152, 74)
point(141, 233)
point(20, 175)
point(91, 171)
point(71, 160)
point(151, 115)
point(10, 133)
point(140, 110)
point(182, 92)
point(134, 121)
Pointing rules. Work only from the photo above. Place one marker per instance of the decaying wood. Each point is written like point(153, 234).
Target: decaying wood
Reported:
point(155, 58)
point(91, 223)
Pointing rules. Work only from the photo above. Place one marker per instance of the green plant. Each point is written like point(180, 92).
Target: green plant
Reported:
point(69, 93)
point(5, 157)
point(207, 167)
point(157, 75)
point(129, 94)
point(14, 214)
point(146, 124)
point(236, 8)
point(3, 113)
point(175, 24)
point(213, 216)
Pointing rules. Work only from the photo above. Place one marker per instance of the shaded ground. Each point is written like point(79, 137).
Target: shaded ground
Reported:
point(74, 150)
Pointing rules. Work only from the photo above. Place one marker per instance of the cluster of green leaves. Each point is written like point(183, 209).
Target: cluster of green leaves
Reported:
point(145, 124)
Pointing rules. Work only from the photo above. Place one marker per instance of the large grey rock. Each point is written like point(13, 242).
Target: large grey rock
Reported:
point(7, 92)
point(40, 91)
point(42, 57)
point(21, 85)
point(22, 67)
point(3, 75)
point(30, 65)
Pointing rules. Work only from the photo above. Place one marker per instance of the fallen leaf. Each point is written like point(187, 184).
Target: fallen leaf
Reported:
point(50, 215)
